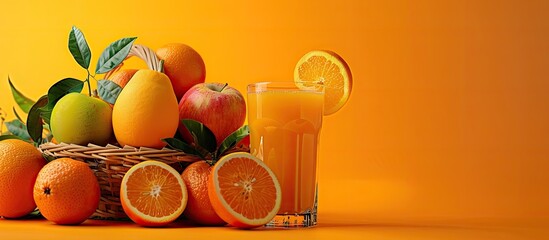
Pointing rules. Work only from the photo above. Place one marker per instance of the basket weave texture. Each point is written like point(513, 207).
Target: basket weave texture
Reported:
point(111, 162)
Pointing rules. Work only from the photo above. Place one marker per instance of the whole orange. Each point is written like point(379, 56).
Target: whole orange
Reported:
point(122, 76)
point(20, 163)
point(183, 65)
point(199, 208)
point(66, 191)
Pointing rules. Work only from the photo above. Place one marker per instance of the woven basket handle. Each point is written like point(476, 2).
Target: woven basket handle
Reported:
point(148, 55)
point(144, 53)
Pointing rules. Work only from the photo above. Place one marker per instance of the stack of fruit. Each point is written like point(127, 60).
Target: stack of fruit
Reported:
point(238, 189)
point(167, 105)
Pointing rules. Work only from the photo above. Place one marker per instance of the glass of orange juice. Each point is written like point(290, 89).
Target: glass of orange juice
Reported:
point(285, 119)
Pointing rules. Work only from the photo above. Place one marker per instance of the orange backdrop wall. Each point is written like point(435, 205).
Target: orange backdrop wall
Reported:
point(449, 114)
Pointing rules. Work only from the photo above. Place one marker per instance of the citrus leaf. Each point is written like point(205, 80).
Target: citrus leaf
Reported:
point(108, 90)
point(34, 119)
point(17, 114)
point(114, 54)
point(34, 214)
point(60, 89)
point(56, 92)
point(24, 102)
point(45, 114)
point(78, 46)
point(48, 157)
point(231, 140)
point(18, 128)
point(5, 137)
point(201, 134)
point(177, 144)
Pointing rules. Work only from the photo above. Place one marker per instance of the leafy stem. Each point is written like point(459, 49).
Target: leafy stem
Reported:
point(88, 82)
point(3, 116)
point(37, 127)
point(204, 144)
point(93, 76)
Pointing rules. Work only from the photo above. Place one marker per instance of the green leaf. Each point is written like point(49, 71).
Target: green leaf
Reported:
point(5, 137)
point(108, 90)
point(35, 214)
point(62, 88)
point(24, 102)
point(231, 140)
point(18, 128)
point(79, 48)
point(34, 119)
point(17, 114)
point(56, 92)
point(177, 144)
point(201, 134)
point(48, 157)
point(45, 114)
point(114, 54)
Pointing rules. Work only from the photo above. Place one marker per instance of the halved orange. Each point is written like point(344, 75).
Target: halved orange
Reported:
point(328, 69)
point(244, 192)
point(153, 194)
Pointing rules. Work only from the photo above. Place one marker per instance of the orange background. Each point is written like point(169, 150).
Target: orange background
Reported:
point(449, 115)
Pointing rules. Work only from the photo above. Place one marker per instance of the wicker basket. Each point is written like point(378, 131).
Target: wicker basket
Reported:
point(111, 162)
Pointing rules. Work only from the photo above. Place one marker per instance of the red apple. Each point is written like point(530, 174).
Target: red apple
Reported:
point(218, 106)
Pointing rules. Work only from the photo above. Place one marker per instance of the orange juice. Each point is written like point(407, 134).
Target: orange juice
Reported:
point(285, 123)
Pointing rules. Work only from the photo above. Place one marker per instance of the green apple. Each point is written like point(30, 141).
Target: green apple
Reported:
point(81, 119)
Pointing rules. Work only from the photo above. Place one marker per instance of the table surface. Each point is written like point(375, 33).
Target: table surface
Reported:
point(331, 228)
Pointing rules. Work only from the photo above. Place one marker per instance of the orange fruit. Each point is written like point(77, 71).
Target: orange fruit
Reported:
point(122, 76)
point(20, 163)
point(244, 191)
point(183, 65)
point(66, 191)
point(328, 69)
point(199, 208)
point(153, 194)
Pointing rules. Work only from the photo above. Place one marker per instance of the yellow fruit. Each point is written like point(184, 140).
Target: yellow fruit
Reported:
point(66, 191)
point(20, 163)
point(146, 111)
point(81, 119)
point(329, 69)
point(153, 194)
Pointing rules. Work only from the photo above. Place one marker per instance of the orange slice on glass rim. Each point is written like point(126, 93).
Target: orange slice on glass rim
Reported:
point(244, 192)
point(328, 69)
point(153, 194)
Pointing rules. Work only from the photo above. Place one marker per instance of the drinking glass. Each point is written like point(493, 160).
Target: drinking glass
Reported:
point(285, 119)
